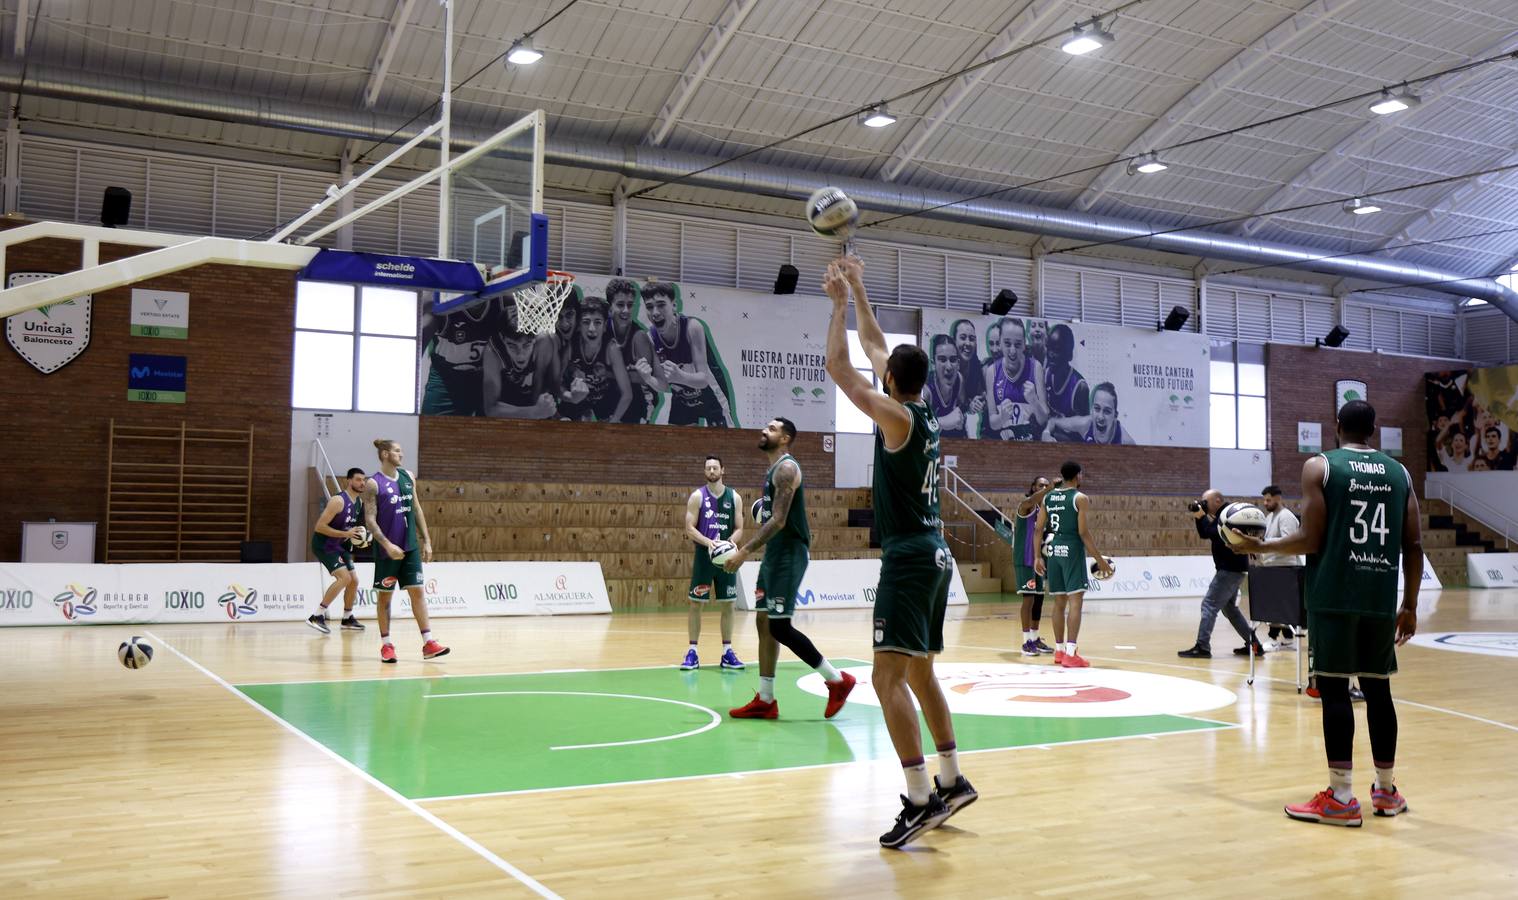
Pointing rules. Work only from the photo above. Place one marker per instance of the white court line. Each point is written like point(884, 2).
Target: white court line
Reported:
point(1455, 712)
point(637, 781)
point(498, 674)
point(716, 719)
point(390, 792)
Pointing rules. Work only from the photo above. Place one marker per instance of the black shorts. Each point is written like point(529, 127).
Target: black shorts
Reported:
point(684, 412)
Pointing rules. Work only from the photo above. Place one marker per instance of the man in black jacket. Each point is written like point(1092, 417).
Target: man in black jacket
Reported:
point(1223, 592)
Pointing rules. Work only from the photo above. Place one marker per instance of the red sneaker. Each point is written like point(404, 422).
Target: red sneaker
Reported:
point(1326, 809)
point(1312, 692)
point(433, 649)
point(1075, 661)
point(757, 709)
point(387, 653)
point(838, 693)
point(1059, 657)
point(1388, 803)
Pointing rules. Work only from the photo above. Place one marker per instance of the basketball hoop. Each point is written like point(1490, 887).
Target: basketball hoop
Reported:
point(538, 305)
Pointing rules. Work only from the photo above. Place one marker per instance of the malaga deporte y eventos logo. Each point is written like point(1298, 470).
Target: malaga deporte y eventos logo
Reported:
point(239, 601)
point(76, 601)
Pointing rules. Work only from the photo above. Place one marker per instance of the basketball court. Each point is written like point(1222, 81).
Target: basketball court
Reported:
point(563, 256)
point(552, 756)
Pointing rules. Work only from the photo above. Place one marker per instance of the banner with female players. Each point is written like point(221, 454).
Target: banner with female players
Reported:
point(1028, 379)
point(636, 352)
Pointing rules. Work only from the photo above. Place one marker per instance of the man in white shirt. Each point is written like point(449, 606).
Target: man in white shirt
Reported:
point(1279, 522)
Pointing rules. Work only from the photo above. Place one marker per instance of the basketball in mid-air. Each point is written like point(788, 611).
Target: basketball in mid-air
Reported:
point(722, 551)
point(756, 511)
point(831, 213)
point(1241, 519)
point(135, 653)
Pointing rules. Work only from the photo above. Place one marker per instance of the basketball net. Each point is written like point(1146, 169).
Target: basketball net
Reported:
point(538, 305)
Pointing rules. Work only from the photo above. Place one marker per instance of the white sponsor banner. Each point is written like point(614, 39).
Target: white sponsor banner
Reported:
point(1155, 384)
point(1492, 570)
point(161, 314)
point(683, 354)
point(57, 594)
point(1184, 576)
point(837, 584)
point(49, 337)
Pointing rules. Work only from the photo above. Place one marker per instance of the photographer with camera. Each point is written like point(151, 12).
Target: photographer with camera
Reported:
point(1223, 592)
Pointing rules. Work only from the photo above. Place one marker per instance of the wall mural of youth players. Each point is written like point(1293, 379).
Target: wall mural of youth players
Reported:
point(1100, 427)
point(700, 391)
point(595, 362)
point(521, 381)
point(1016, 408)
point(637, 349)
point(1038, 338)
point(1066, 388)
point(947, 392)
point(972, 370)
point(454, 347)
point(1473, 420)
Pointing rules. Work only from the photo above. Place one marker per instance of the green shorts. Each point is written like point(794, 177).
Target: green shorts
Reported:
point(710, 581)
point(780, 579)
point(390, 574)
point(334, 561)
point(1065, 569)
point(1028, 581)
point(1345, 644)
point(913, 595)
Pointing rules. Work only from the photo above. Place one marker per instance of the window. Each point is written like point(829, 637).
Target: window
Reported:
point(1238, 397)
point(850, 419)
point(355, 348)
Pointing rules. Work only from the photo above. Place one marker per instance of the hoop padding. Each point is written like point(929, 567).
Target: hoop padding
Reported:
point(538, 305)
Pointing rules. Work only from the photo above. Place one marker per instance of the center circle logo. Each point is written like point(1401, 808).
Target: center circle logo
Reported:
point(1010, 689)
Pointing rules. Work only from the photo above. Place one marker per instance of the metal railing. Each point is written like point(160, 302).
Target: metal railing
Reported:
point(1469, 504)
point(955, 484)
point(318, 460)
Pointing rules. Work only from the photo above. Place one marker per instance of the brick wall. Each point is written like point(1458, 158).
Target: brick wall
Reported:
point(55, 427)
point(1008, 466)
point(1300, 388)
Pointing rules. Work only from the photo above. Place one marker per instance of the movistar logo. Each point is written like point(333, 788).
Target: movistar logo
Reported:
point(141, 371)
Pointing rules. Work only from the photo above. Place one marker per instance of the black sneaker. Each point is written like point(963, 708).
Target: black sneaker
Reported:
point(1195, 652)
point(351, 623)
point(1356, 695)
point(319, 622)
point(1259, 649)
point(914, 820)
point(956, 797)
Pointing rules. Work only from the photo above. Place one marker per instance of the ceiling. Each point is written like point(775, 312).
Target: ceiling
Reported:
point(720, 77)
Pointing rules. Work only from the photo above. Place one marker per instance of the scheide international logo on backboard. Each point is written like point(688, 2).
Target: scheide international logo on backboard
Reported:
point(1015, 690)
point(48, 337)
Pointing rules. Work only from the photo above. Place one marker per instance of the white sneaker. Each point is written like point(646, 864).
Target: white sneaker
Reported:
point(1285, 643)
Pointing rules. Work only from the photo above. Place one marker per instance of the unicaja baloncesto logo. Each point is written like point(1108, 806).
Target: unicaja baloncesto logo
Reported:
point(76, 601)
point(239, 601)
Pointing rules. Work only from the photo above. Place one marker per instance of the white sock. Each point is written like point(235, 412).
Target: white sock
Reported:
point(1341, 780)
point(426, 636)
point(324, 606)
point(1384, 779)
point(948, 767)
point(826, 670)
point(767, 688)
point(1029, 636)
point(918, 786)
point(385, 640)
point(1069, 648)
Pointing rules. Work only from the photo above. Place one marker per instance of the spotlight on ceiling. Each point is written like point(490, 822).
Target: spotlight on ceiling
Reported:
point(1005, 300)
point(1176, 320)
point(1086, 38)
point(877, 117)
point(1147, 164)
point(1358, 207)
point(1389, 103)
point(1334, 338)
point(522, 53)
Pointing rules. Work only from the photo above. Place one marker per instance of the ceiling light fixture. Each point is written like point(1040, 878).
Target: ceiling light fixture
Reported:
point(1389, 103)
point(877, 117)
point(1358, 207)
point(522, 53)
point(1086, 37)
point(1147, 164)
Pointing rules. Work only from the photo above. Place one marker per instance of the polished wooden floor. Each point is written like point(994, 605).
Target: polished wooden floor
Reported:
point(164, 782)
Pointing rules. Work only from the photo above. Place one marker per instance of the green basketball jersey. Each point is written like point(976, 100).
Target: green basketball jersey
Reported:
point(796, 530)
point(905, 483)
point(1357, 571)
point(1062, 517)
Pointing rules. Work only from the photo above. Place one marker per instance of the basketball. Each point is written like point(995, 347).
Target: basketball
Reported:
point(756, 511)
point(135, 653)
point(1096, 571)
point(363, 540)
point(722, 551)
point(1241, 519)
point(831, 213)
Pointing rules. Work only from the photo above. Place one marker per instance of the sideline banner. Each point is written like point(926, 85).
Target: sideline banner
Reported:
point(1028, 379)
point(1184, 576)
point(837, 584)
point(654, 352)
point(58, 594)
point(1492, 570)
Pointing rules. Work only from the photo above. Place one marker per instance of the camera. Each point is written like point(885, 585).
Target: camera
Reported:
point(1194, 506)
